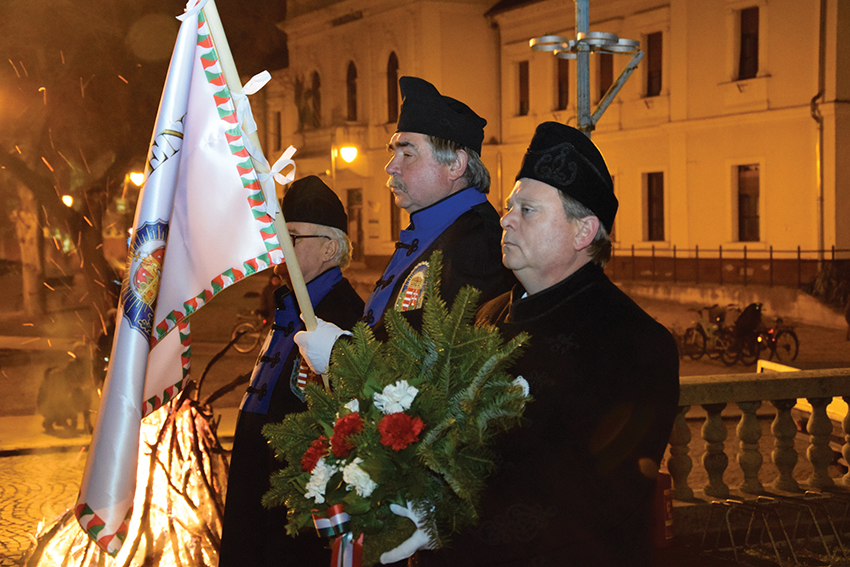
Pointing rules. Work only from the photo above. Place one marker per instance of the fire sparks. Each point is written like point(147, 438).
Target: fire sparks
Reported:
point(180, 489)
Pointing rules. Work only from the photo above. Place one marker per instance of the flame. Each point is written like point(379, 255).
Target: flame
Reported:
point(179, 502)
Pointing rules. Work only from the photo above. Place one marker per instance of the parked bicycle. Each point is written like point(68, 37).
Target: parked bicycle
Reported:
point(247, 333)
point(707, 335)
point(781, 340)
point(745, 337)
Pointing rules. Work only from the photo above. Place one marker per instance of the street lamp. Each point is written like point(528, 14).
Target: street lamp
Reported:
point(137, 178)
point(348, 154)
point(580, 49)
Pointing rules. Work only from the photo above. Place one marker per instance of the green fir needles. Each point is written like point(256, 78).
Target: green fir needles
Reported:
point(412, 420)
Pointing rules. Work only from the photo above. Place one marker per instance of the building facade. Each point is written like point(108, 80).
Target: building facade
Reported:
point(729, 134)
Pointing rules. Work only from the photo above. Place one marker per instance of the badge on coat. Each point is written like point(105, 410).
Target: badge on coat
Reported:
point(301, 376)
point(412, 292)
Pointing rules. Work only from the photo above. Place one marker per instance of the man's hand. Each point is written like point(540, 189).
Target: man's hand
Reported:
point(316, 346)
point(419, 539)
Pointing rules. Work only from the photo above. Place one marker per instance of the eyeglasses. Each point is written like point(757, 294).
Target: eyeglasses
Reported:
point(296, 237)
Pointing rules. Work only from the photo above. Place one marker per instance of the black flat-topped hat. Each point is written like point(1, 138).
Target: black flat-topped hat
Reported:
point(425, 111)
point(563, 157)
point(309, 200)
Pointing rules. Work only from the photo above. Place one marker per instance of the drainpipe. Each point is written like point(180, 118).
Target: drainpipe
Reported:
point(818, 118)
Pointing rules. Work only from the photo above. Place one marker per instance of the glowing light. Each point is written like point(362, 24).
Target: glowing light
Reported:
point(68, 200)
point(348, 153)
point(137, 178)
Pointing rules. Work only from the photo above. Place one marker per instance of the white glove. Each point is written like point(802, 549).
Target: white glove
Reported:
point(316, 346)
point(419, 539)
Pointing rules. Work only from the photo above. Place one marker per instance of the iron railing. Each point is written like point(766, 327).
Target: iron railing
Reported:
point(739, 265)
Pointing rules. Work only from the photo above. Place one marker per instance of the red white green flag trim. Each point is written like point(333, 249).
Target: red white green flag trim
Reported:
point(202, 224)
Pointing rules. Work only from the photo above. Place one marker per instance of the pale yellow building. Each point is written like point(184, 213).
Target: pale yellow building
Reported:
point(715, 140)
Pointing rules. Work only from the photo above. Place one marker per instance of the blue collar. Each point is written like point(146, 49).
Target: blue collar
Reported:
point(426, 225)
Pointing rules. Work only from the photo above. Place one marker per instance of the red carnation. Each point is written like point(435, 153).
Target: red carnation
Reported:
point(317, 450)
point(344, 428)
point(398, 430)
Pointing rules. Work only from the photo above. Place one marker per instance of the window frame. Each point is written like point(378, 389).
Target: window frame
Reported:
point(652, 216)
point(654, 57)
point(523, 75)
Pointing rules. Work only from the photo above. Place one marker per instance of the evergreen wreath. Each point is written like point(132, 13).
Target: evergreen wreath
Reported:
point(409, 420)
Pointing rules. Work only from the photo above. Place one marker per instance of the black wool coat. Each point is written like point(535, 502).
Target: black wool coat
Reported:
point(575, 483)
point(253, 536)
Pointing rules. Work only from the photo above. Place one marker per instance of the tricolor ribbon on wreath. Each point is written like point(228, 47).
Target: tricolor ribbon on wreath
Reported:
point(335, 522)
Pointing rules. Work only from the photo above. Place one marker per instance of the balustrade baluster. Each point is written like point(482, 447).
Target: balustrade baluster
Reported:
point(819, 452)
point(679, 464)
point(715, 459)
point(750, 459)
point(784, 453)
point(845, 449)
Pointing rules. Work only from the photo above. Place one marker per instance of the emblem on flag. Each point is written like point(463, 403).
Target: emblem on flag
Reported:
point(141, 282)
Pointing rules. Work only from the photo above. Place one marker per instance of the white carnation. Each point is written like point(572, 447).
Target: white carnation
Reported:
point(522, 383)
point(357, 478)
point(353, 406)
point(396, 398)
point(319, 480)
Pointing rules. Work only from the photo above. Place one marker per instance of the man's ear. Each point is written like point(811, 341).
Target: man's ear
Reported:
point(587, 229)
point(458, 167)
point(330, 250)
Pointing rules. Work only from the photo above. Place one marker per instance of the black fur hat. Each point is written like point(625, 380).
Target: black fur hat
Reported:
point(425, 111)
point(563, 157)
point(309, 200)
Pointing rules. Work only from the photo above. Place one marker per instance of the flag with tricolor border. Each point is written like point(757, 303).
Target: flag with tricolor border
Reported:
point(202, 224)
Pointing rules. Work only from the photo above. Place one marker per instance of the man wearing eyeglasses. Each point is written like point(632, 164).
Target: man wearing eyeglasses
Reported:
point(317, 223)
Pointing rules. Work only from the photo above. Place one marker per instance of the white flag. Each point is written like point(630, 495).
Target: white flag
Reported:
point(202, 223)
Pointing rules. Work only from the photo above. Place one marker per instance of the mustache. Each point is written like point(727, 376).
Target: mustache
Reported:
point(396, 183)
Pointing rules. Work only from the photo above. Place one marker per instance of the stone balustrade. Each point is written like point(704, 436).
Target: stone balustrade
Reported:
point(750, 392)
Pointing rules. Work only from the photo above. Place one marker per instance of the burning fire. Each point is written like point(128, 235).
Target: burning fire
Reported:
point(180, 490)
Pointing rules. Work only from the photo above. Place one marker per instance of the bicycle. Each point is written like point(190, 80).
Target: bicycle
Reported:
point(707, 335)
point(247, 333)
point(781, 340)
point(746, 331)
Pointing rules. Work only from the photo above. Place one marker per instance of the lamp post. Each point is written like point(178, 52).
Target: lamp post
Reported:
point(580, 49)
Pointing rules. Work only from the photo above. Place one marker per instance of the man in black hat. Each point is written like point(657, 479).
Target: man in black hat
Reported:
point(437, 176)
point(575, 484)
point(251, 534)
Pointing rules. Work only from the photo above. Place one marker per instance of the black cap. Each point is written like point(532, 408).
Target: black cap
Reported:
point(309, 200)
point(425, 111)
point(563, 157)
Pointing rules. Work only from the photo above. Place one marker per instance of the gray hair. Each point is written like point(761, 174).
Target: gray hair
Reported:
point(600, 248)
point(476, 174)
point(343, 255)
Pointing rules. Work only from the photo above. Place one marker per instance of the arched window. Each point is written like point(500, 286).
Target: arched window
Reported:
point(316, 91)
point(351, 92)
point(392, 88)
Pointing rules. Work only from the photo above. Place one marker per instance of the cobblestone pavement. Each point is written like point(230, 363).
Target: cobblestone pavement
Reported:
point(33, 488)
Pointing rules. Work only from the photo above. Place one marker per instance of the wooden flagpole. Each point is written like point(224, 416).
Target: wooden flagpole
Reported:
point(234, 83)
